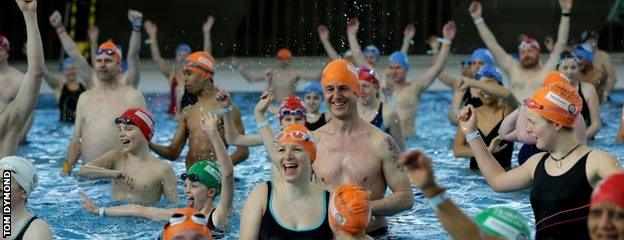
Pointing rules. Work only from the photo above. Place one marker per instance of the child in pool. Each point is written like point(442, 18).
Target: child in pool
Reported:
point(137, 175)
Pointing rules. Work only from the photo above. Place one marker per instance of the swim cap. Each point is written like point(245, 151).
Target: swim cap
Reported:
point(200, 62)
point(529, 42)
point(109, 48)
point(490, 72)
point(567, 55)
point(584, 53)
point(587, 34)
point(484, 55)
point(341, 71)
point(313, 86)
point(209, 174)
point(284, 54)
point(183, 47)
point(503, 222)
point(67, 62)
point(400, 58)
point(610, 189)
point(292, 105)
point(350, 209)
point(4, 43)
point(139, 117)
point(366, 74)
point(371, 50)
point(22, 170)
point(557, 100)
point(297, 134)
point(187, 219)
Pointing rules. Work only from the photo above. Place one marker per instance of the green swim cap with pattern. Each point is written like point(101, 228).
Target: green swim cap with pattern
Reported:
point(209, 174)
point(503, 222)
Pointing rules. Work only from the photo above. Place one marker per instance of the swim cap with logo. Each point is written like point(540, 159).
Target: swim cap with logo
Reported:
point(503, 222)
point(201, 63)
point(141, 118)
point(209, 174)
point(557, 100)
point(341, 71)
point(22, 170)
point(350, 209)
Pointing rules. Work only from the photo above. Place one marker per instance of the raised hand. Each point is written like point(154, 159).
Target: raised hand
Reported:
point(419, 169)
point(323, 32)
point(468, 119)
point(449, 30)
point(353, 25)
point(433, 43)
point(208, 123)
point(566, 5)
point(56, 20)
point(88, 203)
point(462, 84)
point(409, 31)
point(223, 98)
point(27, 6)
point(475, 10)
point(135, 17)
point(151, 28)
point(265, 100)
point(496, 146)
point(94, 33)
point(207, 26)
point(549, 42)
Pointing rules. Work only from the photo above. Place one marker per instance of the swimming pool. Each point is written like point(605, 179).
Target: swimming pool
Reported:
point(57, 201)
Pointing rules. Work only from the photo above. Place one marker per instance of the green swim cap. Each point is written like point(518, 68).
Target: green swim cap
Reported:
point(208, 173)
point(503, 222)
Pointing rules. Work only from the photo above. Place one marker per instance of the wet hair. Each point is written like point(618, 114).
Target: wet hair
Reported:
point(567, 55)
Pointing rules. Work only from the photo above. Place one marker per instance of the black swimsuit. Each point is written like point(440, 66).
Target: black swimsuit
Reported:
point(316, 125)
point(585, 109)
point(68, 102)
point(561, 203)
point(270, 228)
point(217, 233)
point(24, 228)
point(504, 156)
point(378, 120)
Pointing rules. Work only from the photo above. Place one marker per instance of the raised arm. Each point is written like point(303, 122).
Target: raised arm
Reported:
point(562, 34)
point(206, 27)
point(504, 59)
point(491, 88)
point(152, 31)
point(323, 34)
point(232, 136)
point(353, 25)
point(54, 82)
point(94, 33)
point(265, 131)
point(209, 126)
point(84, 69)
point(247, 75)
point(129, 210)
point(102, 167)
point(133, 75)
point(426, 79)
point(172, 152)
point(408, 35)
point(396, 178)
point(24, 103)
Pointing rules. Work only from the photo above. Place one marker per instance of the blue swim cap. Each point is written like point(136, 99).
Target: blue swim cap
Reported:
point(399, 57)
point(184, 48)
point(67, 62)
point(313, 86)
point(483, 55)
point(372, 50)
point(584, 53)
point(124, 65)
point(491, 72)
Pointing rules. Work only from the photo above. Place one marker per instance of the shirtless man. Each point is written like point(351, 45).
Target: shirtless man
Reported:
point(94, 131)
point(14, 114)
point(88, 73)
point(526, 75)
point(351, 150)
point(198, 74)
point(407, 94)
point(602, 61)
point(282, 80)
point(589, 72)
point(369, 56)
point(138, 176)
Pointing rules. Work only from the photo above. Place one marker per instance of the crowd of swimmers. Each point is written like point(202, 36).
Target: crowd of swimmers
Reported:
point(333, 167)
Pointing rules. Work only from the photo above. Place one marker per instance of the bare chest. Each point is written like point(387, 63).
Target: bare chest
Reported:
point(346, 160)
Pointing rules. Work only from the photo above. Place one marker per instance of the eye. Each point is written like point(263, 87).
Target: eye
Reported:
point(595, 212)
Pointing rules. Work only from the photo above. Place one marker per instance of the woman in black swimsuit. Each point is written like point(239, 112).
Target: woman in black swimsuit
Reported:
point(562, 178)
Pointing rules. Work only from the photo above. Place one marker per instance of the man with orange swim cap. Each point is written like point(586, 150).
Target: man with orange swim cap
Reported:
point(187, 224)
point(199, 70)
point(355, 151)
point(281, 80)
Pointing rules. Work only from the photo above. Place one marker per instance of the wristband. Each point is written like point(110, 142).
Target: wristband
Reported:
point(260, 125)
point(66, 167)
point(408, 40)
point(60, 30)
point(222, 110)
point(472, 136)
point(444, 41)
point(101, 211)
point(478, 21)
point(436, 200)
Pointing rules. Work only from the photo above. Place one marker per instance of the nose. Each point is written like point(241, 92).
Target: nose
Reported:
point(605, 221)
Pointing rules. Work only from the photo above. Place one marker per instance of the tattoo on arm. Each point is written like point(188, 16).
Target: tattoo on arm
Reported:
point(394, 150)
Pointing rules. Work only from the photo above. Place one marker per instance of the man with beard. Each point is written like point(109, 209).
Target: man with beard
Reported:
point(351, 150)
point(94, 131)
point(198, 77)
point(525, 76)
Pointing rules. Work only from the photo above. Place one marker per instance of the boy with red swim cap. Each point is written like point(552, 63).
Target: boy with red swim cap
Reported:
point(137, 175)
point(199, 70)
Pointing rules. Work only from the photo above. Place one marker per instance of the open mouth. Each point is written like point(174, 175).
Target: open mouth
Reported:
point(190, 202)
point(290, 168)
point(338, 104)
point(125, 142)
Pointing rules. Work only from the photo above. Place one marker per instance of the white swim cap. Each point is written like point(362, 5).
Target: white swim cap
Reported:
point(22, 171)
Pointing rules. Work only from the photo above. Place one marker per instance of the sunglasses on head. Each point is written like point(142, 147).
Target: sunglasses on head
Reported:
point(530, 103)
point(109, 52)
point(190, 64)
point(179, 218)
point(191, 177)
point(297, 135)
point(286, 112)
point(122, 120)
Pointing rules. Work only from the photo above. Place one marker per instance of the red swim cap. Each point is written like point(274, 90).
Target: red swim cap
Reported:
point(366, 74)
point(610, 189)
point(292, 104)
point(139, 117)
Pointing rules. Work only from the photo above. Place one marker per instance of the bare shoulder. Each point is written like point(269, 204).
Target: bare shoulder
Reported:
point(38, 229)
point(385, 145)
point(601, 157)
point(259, 195)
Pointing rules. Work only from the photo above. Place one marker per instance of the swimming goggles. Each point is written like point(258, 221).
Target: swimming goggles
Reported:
point(122, 120)
point(190, 64)
point(465, 63)
point(297, 135)
point(191, 177)
point(286, 111)
point(109, 52)
point(530, 103)
point(179, 218)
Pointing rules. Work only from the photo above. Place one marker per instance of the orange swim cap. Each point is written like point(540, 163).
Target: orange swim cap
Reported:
point(284, 54)
point(109, 48)
point(556, 101)
point(297, 134)
point(200, 62)
point(186, 219)
point(350, 209)
point(341, 71)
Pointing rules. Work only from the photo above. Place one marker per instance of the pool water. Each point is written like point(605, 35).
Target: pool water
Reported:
point(57, 200)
